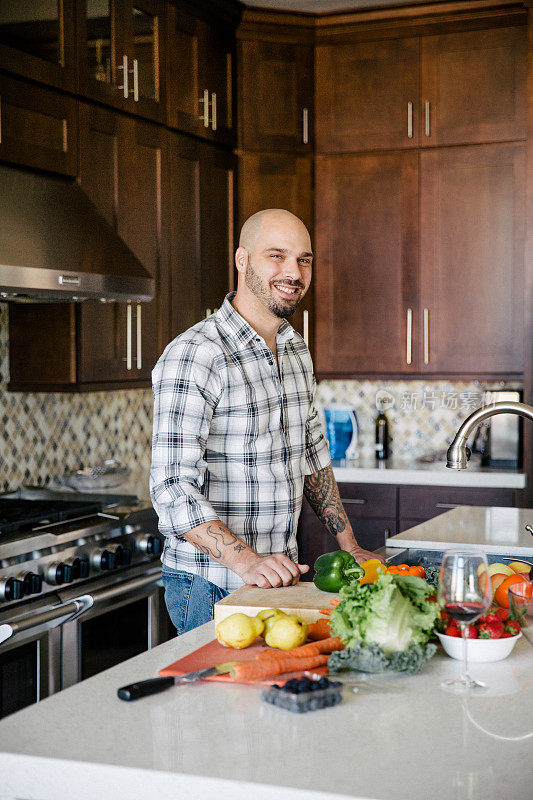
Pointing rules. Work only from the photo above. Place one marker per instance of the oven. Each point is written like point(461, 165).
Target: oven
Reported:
point(76, 598)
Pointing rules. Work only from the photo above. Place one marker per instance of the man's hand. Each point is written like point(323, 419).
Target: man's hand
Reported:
point(361, 555)
point(269, 572)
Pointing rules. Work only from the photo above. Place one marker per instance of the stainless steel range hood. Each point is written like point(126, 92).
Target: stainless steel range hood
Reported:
point(54, 246)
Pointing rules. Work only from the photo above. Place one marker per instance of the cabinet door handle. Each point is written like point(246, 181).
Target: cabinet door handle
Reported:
point(128, 337)
point(387, 533)
point(356, 502)
point(305, 332)
point(409, 344)
point(427, 107)
point(426, 336)
point(447, 505)
point(135, 80)
point(205, 115)
point(213, 111)
point(124, 68)
point(305, 126)
point(139, 337)
point(409, 120)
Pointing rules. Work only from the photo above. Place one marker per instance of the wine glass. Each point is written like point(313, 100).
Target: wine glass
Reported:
point(465, 593)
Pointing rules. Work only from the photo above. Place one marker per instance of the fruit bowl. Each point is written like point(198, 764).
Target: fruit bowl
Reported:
point(478, 649)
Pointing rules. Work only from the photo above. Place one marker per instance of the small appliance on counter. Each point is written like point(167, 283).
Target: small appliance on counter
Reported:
point(499, 439)
point(342, 431)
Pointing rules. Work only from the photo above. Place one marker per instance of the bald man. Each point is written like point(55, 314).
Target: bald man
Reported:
point(237, 439)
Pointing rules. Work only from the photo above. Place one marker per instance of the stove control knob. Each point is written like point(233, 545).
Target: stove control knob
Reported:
point(79, 566)
point(11, 589)
point(33, 583)
point(58, 572)
point(122, 554)
point(103, 559)
point(149, 544)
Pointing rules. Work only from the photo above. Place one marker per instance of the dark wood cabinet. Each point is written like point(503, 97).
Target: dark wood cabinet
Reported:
point(37, 41)
point(120, 54)
point(366, 263)
point(276, 94)
point(473, 87)
point(37, 127)
point(455, 88)
point(200, 65)
point(419, 503)
point(199, 190)
point(367, 95)
point(280, 180)
point(472, 230)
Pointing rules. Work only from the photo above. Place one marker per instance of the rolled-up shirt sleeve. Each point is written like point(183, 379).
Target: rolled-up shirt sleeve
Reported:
point(186, 387)
point(316, 446)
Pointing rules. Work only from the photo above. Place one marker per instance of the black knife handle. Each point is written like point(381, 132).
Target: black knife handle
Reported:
point(144, 688)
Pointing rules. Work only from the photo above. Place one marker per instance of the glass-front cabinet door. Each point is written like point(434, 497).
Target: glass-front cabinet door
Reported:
point(37, 41)
point(119, 54)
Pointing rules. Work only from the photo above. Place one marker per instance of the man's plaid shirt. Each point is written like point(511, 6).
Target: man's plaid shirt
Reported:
point(232, 440)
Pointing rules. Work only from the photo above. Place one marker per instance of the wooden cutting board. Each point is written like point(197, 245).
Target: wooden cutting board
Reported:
point(214, 653)
point(304, 599)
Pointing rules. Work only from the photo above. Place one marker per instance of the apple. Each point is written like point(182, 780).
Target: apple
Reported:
point(496, 579)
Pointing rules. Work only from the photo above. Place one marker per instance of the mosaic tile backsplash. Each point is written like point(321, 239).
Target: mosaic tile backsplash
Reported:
point(46, 434)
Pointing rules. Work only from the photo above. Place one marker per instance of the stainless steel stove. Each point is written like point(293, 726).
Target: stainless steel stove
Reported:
point(80, 589)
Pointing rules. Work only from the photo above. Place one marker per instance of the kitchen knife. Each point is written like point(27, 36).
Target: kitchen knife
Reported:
point(134, 691)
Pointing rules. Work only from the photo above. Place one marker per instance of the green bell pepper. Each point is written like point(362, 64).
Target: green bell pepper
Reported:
point(333, 570)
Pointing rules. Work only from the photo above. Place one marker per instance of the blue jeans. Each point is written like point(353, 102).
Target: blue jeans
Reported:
point(189, 599)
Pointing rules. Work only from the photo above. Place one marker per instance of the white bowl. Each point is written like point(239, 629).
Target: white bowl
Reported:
point(479, 649)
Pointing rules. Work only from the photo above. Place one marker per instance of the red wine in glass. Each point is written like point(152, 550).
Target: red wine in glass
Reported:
point(464, 612)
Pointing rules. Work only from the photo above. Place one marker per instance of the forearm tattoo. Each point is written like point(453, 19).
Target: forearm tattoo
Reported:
point(214, 539)
point(323, 496)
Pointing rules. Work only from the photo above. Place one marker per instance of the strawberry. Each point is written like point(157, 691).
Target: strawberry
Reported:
point(490, 616)
point(452, 630)
point(490, 630)
point(512, 627)
point(471, 632)
point(502, 613)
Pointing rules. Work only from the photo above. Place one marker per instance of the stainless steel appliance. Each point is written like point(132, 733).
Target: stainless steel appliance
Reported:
point(80, 590)
point(499, 437)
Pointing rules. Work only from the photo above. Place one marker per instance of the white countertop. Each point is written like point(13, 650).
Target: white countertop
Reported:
point(399, 738)
point(493, 530)
point(401, 471)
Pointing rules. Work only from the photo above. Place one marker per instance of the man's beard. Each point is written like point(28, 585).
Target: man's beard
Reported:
point(280, 309)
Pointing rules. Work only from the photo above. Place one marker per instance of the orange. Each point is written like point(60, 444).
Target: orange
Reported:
point(501, 594)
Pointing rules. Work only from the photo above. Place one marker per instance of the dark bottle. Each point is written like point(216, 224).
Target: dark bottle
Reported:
point(382, 436)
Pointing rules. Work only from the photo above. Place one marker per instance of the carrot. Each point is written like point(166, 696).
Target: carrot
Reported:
point(268, 667)
point(326, 611)
point(329, 645)
point(335, 601)
point(319, 630)
point(301, 652)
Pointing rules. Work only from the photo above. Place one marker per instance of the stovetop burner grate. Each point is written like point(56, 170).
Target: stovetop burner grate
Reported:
point(20, 515)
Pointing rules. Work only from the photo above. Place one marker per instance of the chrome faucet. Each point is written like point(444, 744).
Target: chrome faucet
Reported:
point(458, 452)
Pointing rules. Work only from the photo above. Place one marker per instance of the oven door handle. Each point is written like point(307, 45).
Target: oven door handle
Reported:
point(128, 586)
point(51, 618)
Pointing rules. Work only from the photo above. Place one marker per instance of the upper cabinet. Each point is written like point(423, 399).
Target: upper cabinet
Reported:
point(276, 96)
point(200, 69)
point(37, 126)
point(458, 88)
point(37, 41)
point(120, 56)
point(367, 95)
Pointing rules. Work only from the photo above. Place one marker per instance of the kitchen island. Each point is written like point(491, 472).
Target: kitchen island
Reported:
point(396, 738)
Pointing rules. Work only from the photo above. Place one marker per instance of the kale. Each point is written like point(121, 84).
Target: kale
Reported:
point(372, 658)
